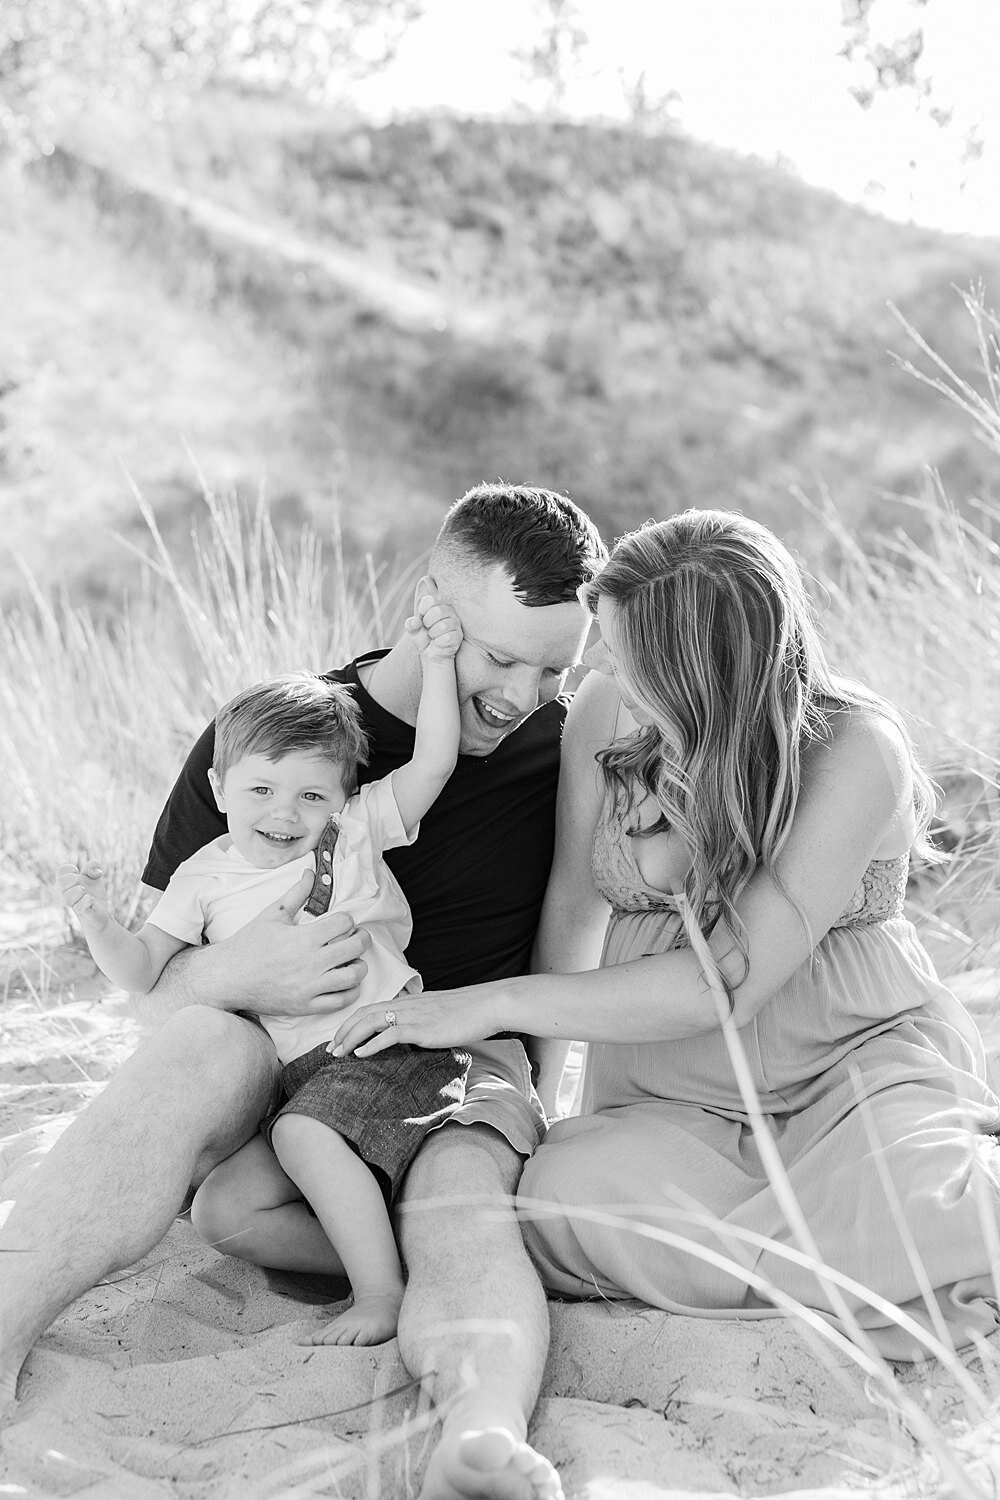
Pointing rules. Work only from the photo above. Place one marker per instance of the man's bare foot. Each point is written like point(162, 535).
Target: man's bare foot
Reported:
point(8, 1396)
point(371, 1319)
point(488, 1462)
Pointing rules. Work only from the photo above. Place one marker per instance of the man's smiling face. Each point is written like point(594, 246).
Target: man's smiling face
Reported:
point(513, 658)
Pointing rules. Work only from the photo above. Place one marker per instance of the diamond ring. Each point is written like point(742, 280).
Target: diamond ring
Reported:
point(390, 1018)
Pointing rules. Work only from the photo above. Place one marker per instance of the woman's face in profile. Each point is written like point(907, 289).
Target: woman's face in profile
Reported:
point(604, 656)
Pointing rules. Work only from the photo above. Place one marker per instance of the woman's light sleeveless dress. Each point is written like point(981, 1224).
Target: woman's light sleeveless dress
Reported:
point(873, 1081)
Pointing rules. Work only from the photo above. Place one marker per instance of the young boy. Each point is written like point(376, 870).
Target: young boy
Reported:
point(284, 773)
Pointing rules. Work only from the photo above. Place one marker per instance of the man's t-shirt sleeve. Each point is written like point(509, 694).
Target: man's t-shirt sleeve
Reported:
point(190, 818)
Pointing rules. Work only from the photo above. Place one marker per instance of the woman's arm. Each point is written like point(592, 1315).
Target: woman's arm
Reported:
point(855, 790)
point(574, 913)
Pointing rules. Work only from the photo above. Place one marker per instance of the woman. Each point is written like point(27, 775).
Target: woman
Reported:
point(747, 818)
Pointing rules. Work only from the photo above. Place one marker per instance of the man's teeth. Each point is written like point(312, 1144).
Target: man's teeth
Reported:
point(494, 716)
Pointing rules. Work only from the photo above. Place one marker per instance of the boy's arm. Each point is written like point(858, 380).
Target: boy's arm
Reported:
point(132, 960)
point(436, 633)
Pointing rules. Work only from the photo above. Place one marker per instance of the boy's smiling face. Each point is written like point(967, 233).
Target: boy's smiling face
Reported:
point(278, 809)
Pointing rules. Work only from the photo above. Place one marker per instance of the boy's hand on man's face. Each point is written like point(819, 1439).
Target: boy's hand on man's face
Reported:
point(434, 627)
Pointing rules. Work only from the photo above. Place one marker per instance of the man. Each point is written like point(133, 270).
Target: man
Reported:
point(510, 561)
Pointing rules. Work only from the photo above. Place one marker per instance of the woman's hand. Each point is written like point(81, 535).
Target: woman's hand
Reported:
point(445, 1018)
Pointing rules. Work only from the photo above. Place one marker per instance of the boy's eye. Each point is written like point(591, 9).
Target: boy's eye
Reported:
point(496, 660)
point(313, 796)
point(260, 791)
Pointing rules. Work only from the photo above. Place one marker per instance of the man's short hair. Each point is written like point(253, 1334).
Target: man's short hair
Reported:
point(300, 712)
point(545, 543)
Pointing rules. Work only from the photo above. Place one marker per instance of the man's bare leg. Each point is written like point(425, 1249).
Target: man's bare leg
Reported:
point(474, 1322)
point(108, 1190)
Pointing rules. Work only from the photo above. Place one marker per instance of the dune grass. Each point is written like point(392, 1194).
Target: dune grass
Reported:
point(97, 714)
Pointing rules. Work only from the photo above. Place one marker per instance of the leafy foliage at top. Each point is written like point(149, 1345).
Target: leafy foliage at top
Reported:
point(57, 49)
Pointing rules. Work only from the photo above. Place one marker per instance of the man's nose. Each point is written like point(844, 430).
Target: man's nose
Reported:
point(523, 688)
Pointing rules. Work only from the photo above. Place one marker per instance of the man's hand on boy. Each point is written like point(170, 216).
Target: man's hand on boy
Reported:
point(82, 888)
point(277, 967)
point(434, 628)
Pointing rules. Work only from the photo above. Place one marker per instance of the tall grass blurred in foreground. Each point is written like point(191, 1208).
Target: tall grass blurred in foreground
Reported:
point(97, 714)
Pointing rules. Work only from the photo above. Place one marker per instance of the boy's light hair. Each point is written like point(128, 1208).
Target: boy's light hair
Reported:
point(301, 712)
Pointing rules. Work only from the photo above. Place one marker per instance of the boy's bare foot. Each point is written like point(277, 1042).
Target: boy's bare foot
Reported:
point(371, 1319)
point(486, 1462)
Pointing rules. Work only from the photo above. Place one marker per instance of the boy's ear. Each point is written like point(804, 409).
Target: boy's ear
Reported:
point(215, 782)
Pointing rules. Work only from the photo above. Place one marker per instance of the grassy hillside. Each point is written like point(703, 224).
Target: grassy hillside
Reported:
point(390, 314)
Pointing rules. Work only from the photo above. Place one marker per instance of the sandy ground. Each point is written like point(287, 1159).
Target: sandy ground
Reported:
point(182, 1376)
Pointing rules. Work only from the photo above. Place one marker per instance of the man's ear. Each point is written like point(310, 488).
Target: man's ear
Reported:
point(425, 585)
point(215, 781)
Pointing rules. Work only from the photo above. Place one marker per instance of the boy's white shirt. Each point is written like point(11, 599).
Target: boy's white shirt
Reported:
point(217, 891)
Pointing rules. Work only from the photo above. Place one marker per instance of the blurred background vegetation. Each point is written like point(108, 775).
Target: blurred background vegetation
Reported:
point(215, 271)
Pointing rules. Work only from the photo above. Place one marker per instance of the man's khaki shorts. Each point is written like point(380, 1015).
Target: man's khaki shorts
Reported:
point(499, 1093)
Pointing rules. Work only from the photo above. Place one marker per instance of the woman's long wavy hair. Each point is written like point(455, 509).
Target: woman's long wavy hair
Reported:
point(716, 639)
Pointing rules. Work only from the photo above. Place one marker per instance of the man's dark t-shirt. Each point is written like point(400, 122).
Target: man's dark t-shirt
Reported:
point(475, 876)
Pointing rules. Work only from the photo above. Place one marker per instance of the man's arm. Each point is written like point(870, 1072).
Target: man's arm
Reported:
point(271, 966)
point(190, 818)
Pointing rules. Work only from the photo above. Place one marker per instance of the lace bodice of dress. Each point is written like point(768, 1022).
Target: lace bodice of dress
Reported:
point(615, 871)
point(879, 897)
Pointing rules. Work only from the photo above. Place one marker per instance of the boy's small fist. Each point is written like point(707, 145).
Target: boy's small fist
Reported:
point(435, 628)
point(82, 887)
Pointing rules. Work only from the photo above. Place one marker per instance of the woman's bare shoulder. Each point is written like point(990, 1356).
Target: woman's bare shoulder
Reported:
point(865, 733)
point(865, 752)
